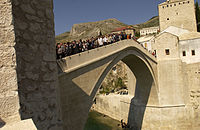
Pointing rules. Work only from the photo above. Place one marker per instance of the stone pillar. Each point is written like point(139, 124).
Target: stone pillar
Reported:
point(9, 101)
point(28, 69)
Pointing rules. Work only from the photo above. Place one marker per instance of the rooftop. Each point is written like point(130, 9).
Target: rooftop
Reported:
point(123, 28)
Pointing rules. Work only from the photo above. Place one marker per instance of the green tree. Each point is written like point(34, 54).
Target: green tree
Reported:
point(137, 34)
point(197, 12)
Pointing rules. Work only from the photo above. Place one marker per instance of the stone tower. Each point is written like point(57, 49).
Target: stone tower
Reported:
point(178, 13)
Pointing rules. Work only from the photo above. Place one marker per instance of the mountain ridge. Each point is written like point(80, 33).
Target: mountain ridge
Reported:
point(92, 29)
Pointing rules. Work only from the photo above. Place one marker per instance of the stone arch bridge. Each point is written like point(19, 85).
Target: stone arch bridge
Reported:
point(81, 75)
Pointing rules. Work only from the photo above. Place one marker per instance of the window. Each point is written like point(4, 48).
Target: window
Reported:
point(174, 4)
point(179, 3)
point(184, 53)
point(170, 5)
point(167, 51)
point(167, 5)
point(163, 7)
point(188, 2)
point(183, 2)
point(167, 18)
point(177, 13)
point(193, 52)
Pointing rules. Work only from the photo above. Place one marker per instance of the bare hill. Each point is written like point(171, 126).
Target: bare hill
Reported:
point(154, 21)
point(91, 29)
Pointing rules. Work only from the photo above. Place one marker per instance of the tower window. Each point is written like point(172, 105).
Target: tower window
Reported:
point(155, 52)
point(179, 3)
point(167, 18)
point(177, 13)
point(167, 5)
point(170, 5)
point(167, 51)
point(188, 2)
point(184, 53)
point(193, 52)
point(174, 4)
point(163, 7)
point(183, 2)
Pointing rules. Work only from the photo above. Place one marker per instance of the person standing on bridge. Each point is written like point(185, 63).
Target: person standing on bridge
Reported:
point(105, 40)
point(100, 41)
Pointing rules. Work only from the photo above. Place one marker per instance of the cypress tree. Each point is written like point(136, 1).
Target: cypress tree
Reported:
point(197, 12)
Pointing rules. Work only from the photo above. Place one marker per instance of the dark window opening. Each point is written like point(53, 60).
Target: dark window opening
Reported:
point(170, 5)
point(184, 53)
point(176, 13)
point(163, 7)
point(167, 51)
point(174, 4)
point(179, 3)
point(188, 2)
point(155, 52)
point(183, 2)
point(167, 18)
point(193, 52)
point(167, 5)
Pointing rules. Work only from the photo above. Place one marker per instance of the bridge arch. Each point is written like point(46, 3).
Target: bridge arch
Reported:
point(80, 85)
point(129, 56)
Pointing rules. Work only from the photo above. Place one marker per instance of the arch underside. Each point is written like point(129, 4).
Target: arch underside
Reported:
point(78, 88)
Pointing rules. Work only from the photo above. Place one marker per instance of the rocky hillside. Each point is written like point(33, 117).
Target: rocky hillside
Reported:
point(91, 29)
point(154, 21)
point(115, 80)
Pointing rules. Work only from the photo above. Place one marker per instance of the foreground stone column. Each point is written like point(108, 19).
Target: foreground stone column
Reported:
point(9, 101)
point(28, 66)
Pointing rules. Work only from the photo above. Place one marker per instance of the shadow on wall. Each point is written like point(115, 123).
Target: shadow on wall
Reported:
point(2, 123)
point(143, 87)
point(137, 108)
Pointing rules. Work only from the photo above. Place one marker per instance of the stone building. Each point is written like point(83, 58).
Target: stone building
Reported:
point(127, 30)
point(151, 30)
point(146, 41)
point(177, 49)
point(178, 13)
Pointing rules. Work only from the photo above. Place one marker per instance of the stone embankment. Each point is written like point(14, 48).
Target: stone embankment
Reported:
point(113, 105)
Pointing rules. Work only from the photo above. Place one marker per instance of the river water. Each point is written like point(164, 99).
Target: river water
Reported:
point(97, 121)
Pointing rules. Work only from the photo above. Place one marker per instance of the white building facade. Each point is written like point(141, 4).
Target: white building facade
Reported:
point(151, 30)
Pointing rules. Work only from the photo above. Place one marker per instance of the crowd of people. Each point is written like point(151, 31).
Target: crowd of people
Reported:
point(74, 47)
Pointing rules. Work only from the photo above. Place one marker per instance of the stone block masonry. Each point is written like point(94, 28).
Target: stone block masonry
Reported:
point(9, 101)
point(28, 65)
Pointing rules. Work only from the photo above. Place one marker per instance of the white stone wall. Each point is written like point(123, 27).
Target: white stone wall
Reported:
point(147, 31)
point(114, 106)
point(147, 45)
point(163, 42)
point(188, 46)
point(179, 14)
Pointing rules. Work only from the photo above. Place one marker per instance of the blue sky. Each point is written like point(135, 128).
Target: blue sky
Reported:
point(69, 12)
